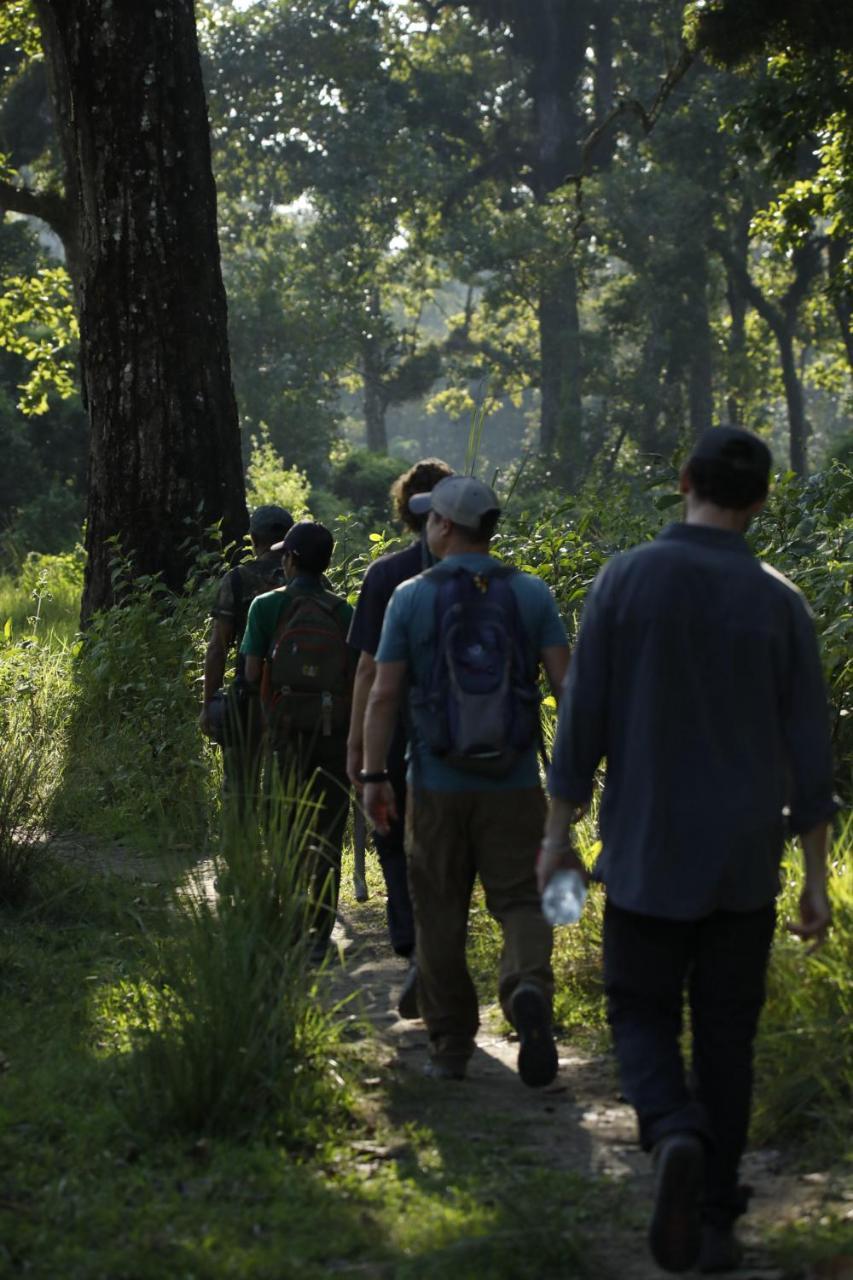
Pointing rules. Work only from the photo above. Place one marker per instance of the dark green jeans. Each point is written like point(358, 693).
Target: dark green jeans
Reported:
point(451, 838)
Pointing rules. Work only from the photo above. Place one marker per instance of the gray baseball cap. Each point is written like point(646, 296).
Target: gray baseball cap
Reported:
point(270, 519)
point(462, 499)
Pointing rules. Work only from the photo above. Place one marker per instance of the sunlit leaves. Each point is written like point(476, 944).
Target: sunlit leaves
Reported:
point(37, 321)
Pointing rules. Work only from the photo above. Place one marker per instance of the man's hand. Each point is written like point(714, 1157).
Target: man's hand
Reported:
point(204, 720)
point(355, 764)
point(379, 805)
point(815, 915)
point(555, 857)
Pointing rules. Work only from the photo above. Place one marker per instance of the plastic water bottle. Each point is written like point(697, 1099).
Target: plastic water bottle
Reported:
point(564, 896)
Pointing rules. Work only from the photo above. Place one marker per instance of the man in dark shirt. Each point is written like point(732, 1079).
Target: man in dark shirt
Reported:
point(383, 576)
point(267, 525)
point(697, 675)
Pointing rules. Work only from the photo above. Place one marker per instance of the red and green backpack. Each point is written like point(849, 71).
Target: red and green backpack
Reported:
point(305, 685)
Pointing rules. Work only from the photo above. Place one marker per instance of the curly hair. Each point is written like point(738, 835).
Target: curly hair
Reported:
point(421, 478)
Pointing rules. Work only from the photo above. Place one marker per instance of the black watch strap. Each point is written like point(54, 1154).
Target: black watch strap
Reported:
point(378, 775)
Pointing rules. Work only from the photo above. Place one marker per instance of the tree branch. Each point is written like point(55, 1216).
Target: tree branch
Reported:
point(50, 207)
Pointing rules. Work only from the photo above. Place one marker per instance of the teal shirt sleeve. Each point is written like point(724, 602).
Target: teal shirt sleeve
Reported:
point(259, 627)
point(540, 613)
point(394, 641)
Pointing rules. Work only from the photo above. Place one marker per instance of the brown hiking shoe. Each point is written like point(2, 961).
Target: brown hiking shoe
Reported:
point(675, 1230)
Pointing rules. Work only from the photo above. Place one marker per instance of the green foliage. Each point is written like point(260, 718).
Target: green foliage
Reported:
point(33, 704)
point(807, 533)
point(804, 1058)
point(37, 321)
point(269, 481)
point(231, 1034)
point(136, 762)
point(363, 480)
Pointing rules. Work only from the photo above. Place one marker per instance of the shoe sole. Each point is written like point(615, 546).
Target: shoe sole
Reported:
point(675, 1233)
point(537, 1054)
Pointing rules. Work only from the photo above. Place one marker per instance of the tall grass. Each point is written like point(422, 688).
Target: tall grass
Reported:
point(804, 1051)
point(32, 712)
point(43, 599)
point(232, 1034)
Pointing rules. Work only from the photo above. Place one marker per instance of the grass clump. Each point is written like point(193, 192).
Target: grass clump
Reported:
point(231, 1034)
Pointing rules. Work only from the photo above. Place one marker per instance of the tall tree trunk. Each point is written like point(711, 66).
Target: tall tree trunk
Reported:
point(797, 429)
point(842, 296)
point(560, 377)
point(700, 389)
point(373, 370)
point(554, 39)
point(132, 122)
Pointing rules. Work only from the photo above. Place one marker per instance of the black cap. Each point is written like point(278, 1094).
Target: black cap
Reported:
point(270, 519)
point(311, 543)
point(738, 450)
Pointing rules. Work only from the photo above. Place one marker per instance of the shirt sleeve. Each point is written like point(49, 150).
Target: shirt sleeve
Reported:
point(257, 636)
point(366, 627)
point(552, 630)
point(580, 740)
point(807, 733)
point(223, 605)
point(394, 641)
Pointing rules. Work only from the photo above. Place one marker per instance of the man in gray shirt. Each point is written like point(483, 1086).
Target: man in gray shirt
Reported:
point(697, 675)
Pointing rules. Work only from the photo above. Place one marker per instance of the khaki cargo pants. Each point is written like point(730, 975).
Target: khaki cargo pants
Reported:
point(452, 837)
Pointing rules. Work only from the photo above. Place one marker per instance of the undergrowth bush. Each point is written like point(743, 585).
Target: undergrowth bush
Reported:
point(232, 1035)
point(136, 764)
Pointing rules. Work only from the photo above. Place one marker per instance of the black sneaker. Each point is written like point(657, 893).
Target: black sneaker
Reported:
point(720, 1249)
point(407, 1002)
point(675, 1230)
point(537, 1052)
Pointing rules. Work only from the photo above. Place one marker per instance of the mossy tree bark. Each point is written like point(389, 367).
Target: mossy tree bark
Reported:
point(131, 117)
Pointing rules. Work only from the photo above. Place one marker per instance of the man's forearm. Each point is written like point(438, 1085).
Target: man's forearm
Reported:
point(214, 669)
point(814, 844)
point(379, 721)
point(364, 676)
point(561, 815)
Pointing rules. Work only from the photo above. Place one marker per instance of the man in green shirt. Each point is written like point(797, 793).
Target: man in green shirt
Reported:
point(295, 651)
point(237, 589)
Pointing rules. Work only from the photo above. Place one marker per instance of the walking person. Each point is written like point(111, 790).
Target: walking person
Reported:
point(380, 581)
point(297, 656)
point(268, 524)
point(697, 675)
point(462, 644)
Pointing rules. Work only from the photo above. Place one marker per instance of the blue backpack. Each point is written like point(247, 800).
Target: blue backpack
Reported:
point(480, 710)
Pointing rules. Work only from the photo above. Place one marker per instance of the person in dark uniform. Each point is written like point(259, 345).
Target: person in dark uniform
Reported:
point(268, 525)
point(383, 576)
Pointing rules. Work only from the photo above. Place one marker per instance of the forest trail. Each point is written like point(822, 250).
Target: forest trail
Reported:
point(578, 1124)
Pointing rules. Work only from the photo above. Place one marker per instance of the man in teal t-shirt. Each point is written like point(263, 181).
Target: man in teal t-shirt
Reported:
point(460, 824)
point(317, 752)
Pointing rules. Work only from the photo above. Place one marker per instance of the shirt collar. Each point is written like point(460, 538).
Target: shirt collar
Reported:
point(469, 560)
point(707, 535)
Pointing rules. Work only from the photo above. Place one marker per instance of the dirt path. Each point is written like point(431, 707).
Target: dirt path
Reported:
point(577, 1124)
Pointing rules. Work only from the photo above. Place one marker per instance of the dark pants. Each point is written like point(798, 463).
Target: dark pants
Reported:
point(453, 837)
point(391, 851)
point(322, 761)
point(721, 962)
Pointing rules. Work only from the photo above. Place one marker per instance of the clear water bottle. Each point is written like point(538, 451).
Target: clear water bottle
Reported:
point(564, 896)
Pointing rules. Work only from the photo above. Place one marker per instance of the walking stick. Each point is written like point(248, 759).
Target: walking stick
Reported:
point(359, 842)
